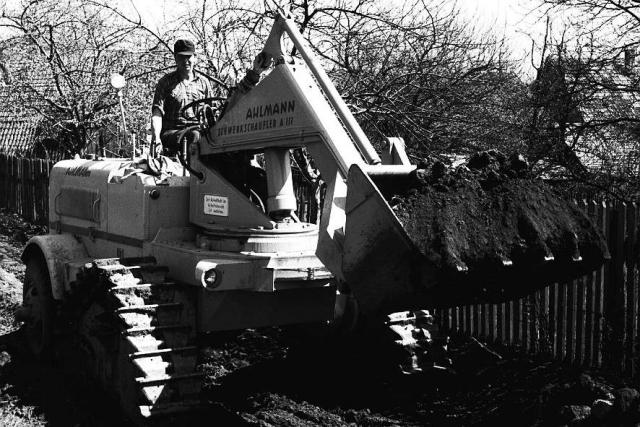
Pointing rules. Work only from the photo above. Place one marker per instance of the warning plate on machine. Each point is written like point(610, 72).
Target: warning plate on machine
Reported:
point(216, 205)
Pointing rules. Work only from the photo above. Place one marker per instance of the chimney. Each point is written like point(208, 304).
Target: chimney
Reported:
point(629, 59)
point(4, 69)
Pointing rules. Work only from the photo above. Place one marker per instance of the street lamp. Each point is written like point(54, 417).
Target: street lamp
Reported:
point(118, 82)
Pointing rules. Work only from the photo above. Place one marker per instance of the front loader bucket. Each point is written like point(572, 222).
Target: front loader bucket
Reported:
point(383, 267)
point(485, 247)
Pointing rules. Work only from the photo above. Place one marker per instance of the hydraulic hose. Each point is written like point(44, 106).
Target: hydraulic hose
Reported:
point(183, 156)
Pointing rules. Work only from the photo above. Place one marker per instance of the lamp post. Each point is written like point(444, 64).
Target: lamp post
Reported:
point(118, 82)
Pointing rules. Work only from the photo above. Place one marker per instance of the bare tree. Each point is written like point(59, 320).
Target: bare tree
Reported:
point(415, 70)
point(584, 106)
point(418, 71)
point(617, 20)
point(63, 52)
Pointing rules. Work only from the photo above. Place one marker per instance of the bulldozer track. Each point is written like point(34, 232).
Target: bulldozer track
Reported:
point(139, 331)
point(137, 334)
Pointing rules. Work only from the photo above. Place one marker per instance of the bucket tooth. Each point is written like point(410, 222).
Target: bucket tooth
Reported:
point(450, 258)
point(548, 257)
point(461, 267)
point(537, 252)
point(505, 261)
point(533, 248)
point(453, 262)
point(545, 252)
point(575, 248)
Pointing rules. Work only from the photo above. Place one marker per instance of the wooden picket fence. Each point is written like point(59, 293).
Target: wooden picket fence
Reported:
point(591, 321)
point(24, 187)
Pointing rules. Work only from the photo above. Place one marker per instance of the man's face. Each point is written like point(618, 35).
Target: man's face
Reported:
point(185, 63)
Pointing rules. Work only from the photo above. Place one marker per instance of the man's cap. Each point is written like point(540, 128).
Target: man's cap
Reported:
point(184, 47)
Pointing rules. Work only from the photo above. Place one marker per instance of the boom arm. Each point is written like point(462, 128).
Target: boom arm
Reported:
point(293, 106)
point(273, 47)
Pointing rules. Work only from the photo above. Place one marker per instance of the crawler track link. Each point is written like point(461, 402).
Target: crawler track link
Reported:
point(153, 372)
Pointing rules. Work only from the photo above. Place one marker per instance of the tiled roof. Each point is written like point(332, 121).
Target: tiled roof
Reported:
point(26, 96)
point(17, 136)
point(19, 118)
point(18, 123)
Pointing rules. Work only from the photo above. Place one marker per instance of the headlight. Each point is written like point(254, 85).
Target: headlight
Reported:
point(211, 278)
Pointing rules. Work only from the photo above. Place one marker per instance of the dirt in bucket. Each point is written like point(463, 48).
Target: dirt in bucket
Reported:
point(491, 230)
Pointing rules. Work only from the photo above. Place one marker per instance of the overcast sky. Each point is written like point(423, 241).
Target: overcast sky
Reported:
point(508, 17)
point(512, 18)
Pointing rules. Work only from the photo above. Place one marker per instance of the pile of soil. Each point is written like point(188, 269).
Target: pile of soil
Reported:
point(491, 230)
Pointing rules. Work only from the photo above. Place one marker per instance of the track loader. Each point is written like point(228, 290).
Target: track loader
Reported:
point(140, 260)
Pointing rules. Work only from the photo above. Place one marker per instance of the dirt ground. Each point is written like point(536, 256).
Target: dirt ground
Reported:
point(254, 378)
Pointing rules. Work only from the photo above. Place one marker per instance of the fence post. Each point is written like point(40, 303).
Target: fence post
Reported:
point(14, 184)
point(4, 171)
point(48, 165)
point(615, 295)
point(553, 320)
point(631, 282)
